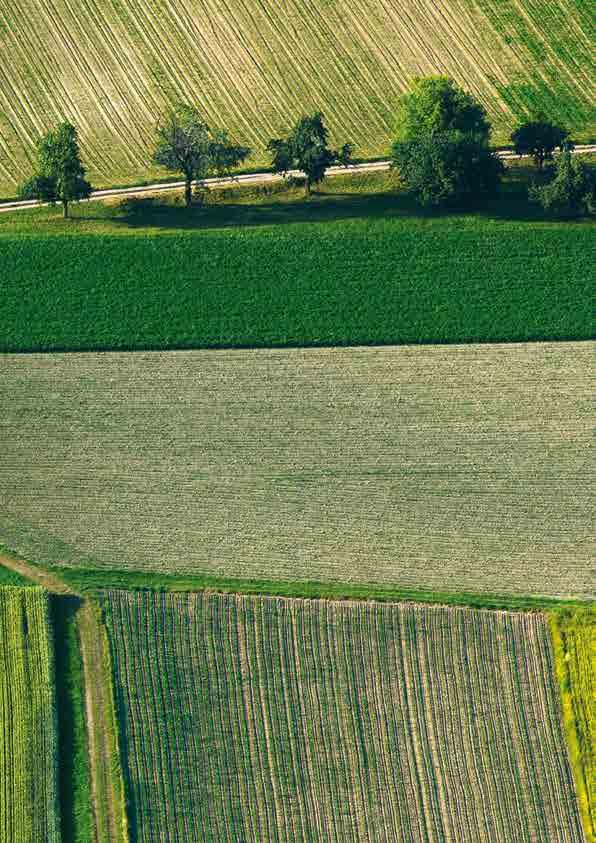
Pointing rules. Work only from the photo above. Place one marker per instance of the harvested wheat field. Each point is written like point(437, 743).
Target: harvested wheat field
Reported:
point(450, 468)
point(29, 807)
point(266, 719)
point(111, 67)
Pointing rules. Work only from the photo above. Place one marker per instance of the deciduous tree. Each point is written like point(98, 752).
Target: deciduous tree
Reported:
point(185, 144)
point(306, 149)
point(571, 191)
point(434, 105)
point(441, 150)
point(539, 138)
point(60, 176)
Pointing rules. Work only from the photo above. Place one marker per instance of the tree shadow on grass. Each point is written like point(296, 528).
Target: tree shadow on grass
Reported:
point(511, 205)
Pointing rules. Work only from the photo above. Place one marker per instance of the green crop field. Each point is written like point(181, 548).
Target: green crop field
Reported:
point(29, 805)
point(265, 719)
point(112, 67)
point(449, 468)
point(356, 265)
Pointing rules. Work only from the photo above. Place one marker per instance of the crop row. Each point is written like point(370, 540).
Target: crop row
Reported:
point(265, 719)
point(111, 68)
point(29, 807)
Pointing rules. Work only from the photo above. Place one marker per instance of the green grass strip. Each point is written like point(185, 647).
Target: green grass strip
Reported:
point(89, 581)
point(75, 786)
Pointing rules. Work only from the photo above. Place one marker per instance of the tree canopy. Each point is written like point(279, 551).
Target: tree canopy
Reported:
point(441, 150)
point(435, 104)
point(571, 190)
point(60, 175)
point(447, 168)
point(539, 138)
point(306, 149)
point(185, 144)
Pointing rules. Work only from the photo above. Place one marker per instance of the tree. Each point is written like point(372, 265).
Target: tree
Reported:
point(539, 138)
point(306, 149)
point(61, 175)
point(434, 105)
point(571, 191)
point(447, 168)
point(184, 143)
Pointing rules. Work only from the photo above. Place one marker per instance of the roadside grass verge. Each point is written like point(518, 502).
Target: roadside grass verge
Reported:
point(75, 785)
point(574, 640)
point(358, 265)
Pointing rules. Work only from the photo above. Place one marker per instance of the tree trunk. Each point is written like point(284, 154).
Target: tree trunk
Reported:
point(65, 209)
point(307, 187)
point(188, 192)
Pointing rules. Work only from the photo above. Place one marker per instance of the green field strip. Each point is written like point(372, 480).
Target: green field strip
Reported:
point(29, 747)
point(273, 719)
point(112, 67)
point(358, 264)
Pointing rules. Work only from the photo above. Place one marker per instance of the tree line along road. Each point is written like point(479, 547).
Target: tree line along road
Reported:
point(248, 178)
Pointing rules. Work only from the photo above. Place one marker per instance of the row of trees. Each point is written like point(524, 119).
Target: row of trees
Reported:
point(441, 153)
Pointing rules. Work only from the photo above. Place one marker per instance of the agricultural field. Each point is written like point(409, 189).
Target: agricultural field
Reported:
point(444, 468)
point(265, 719)
point(29, 803)
point(358, 264)
point(248, 65)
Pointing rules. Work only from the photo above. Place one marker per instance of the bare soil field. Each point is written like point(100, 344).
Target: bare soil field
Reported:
point(446, 468)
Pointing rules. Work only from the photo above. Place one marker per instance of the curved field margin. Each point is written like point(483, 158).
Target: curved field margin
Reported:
point(437, 468)
point(29, 793)
point(264, 719)
point(112, 67)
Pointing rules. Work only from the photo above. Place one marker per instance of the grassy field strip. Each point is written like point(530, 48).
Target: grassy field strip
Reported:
point(574, 636)
point(92, 672)
point(250, 68)
point(29, 803)
point(266, 719)
point(445, 468)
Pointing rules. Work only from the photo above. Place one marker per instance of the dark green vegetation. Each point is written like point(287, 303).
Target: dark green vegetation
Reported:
point(571, 189)
point(355, 265)
point(74, 782)
point(8, 577)
point(60, 175)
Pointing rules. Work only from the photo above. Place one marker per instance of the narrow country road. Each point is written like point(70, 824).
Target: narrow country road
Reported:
point(248, 178)
point(108, 804)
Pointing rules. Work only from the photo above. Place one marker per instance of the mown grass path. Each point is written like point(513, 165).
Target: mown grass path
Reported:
point(108, 805)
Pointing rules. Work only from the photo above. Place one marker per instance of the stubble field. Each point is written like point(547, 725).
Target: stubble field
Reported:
point(445, 468)
point(29, 805)
point(112, 67)
point(262, 720)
